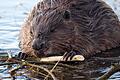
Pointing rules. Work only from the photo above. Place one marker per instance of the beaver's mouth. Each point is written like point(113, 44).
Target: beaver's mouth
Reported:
point(38, 47)
point(41, 52)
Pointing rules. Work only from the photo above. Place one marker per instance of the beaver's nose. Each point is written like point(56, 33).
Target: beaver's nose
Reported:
point(37, 45)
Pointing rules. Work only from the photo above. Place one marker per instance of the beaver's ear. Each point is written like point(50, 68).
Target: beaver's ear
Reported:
point(52, 29)
point(66, 15)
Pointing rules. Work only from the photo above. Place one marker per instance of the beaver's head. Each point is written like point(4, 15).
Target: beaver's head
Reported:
point(44, 25)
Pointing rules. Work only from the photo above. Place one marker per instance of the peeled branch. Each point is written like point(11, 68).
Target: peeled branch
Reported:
point(60, 58)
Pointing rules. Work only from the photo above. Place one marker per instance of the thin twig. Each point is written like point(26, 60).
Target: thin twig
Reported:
point(114, 68)
point(15, 69)
point(54, 78)
point(54, 66)
point(39, 73)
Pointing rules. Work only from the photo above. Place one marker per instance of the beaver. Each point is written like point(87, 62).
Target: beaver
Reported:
point(84, 27)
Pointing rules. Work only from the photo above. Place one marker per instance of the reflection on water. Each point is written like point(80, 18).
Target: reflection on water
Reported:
point(12, 14)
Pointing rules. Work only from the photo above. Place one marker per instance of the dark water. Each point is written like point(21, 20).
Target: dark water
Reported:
point(12, 14)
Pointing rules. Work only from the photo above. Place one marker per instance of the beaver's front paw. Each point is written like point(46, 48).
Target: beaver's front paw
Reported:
point(69, 55)
point(22, 55)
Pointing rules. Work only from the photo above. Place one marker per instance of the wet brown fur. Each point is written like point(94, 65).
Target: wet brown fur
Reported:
point(93, 27)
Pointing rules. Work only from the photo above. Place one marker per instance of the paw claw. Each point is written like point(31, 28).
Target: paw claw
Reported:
point(68, 56)
point(22, 55)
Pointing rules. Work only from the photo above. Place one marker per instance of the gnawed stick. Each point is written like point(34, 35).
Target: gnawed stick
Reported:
point(60, 58)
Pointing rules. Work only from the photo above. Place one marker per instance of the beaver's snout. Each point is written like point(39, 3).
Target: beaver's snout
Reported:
point(37, 45)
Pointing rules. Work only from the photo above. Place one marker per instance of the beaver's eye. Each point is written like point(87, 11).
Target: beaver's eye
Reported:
point(31, 33)
point(66, 15)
